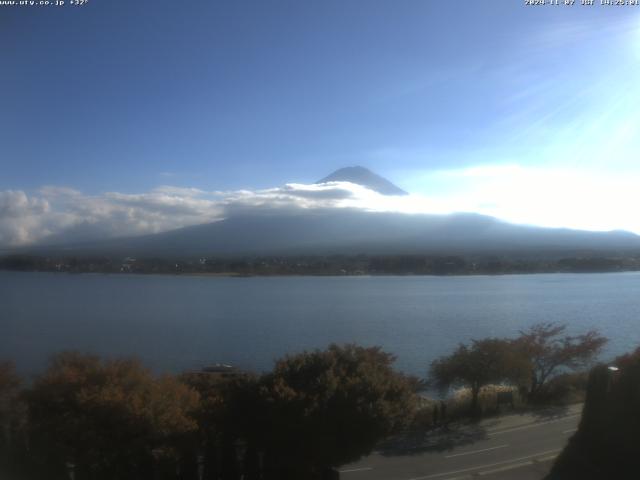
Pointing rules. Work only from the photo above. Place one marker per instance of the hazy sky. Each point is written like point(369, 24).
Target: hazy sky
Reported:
point(135, 116)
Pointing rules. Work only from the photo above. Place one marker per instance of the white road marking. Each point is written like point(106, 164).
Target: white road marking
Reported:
point(518, 465)
point(547, 458)
point(532, 425)
point(489, 465)
point(571, 430)
point(363, 469)
point(506, 468)
point(476, 451)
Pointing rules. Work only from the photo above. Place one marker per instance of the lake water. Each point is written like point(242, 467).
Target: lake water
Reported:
point(180, 322)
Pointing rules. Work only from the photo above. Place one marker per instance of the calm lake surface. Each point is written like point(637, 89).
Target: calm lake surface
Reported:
point(180, 322)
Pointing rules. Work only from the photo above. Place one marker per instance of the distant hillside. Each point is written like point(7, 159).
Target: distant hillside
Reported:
point(329, 231)
point(340, 231)
point(366, 178)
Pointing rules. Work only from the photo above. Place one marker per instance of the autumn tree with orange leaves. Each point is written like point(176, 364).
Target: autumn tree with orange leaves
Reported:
point(549, 351)
point(109, 418)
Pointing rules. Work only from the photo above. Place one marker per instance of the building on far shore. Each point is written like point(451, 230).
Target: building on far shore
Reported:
point(220, 371)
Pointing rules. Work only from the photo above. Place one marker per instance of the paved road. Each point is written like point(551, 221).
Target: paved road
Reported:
point(520, 446)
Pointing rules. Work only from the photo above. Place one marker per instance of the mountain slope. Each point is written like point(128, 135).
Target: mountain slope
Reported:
point(284, 230)
point(352, 232)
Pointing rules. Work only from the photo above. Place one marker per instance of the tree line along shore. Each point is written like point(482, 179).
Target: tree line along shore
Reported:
point(91, 418)
point(410, 264)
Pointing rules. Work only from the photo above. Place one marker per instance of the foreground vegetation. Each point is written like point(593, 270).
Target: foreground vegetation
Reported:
point(529, 362)
point(113, 419)
point(606, 443)
point(96, 419)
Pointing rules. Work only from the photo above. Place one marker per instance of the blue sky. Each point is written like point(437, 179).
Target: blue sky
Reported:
point(463, 102)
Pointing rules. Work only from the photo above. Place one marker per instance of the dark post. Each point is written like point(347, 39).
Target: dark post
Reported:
point(241, 448)
point(156, 452)
point(200, 460)
point(71, 470)
point(261, 465)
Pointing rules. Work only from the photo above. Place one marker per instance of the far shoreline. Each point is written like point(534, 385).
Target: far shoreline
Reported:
point(311, 275)
point(441, 264)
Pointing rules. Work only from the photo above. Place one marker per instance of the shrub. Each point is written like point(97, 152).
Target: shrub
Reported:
point(460, 402)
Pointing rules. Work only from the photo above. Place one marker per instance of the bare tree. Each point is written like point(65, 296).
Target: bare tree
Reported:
point(549, 351)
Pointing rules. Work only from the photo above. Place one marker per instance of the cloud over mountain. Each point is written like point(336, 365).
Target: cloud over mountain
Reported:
point(524, 195)
point(60, 214)
point(20, 217)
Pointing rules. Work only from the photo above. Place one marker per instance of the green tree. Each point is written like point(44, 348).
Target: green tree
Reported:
point(10, 408)
point(606, 443)
point(9, 389)
point(491, 360)
point(226, 419)
point(549, 351)
point(108, 417)
point(325, 408)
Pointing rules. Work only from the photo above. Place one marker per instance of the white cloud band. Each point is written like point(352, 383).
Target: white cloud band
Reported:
point(554, 197)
